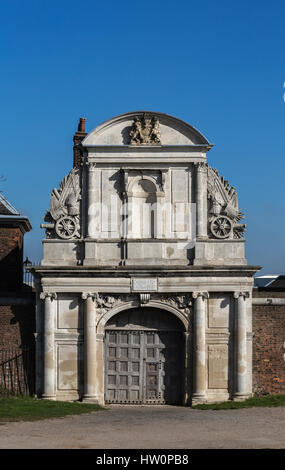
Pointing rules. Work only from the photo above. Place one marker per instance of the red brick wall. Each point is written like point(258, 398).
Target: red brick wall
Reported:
point(17, 347)
point(268, 323)
point(17, 326)
point(11, 258)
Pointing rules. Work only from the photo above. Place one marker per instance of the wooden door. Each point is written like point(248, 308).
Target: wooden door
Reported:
point(123, 366)
point(143, 365)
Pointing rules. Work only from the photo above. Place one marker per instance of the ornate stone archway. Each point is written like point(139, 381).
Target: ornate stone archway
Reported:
point(113, 305)
point(144, 355)
point(97, 263)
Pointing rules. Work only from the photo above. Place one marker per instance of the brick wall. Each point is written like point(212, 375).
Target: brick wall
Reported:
point(17, 325)
point(11, 258)
point(17, 344)
point(268, 345)
point(17, 310)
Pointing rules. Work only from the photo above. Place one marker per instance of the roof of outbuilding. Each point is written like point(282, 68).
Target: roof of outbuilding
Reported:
point(8, 215)
point(6, 208)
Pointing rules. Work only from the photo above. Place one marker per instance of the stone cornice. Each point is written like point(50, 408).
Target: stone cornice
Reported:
point(130, 271)
point(149, 148)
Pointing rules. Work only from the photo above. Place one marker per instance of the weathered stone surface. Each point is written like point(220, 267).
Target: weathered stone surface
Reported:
point(147, 239)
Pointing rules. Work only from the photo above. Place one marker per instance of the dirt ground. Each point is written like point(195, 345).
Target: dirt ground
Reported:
point(152, 427)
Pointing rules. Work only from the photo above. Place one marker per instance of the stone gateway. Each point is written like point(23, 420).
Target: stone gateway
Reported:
point(144, 294)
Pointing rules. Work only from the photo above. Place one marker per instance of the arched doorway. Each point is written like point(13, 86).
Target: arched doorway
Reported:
point(144, 357)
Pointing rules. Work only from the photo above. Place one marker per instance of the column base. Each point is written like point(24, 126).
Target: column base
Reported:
point(198, 399)
point(48, 397)
point(241, 396)
point(90, 399)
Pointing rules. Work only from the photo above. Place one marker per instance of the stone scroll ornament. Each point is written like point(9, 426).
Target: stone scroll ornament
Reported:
point(145, 131)
point(64, 215)
point(223, 211)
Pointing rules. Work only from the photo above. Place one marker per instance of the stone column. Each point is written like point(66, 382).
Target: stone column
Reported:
point(241, 386)
point(201, 200)
point(199, 373)
point(187, 368)
point(91, 203)
point(89, 348)
point(38, 340)
point(48, 345)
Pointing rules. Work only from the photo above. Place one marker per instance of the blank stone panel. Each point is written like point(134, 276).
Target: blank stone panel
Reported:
point(180, 200)
point(111, 204)
point(220, 306)
point(67, 367)
point(218, 366)
point(68, 312)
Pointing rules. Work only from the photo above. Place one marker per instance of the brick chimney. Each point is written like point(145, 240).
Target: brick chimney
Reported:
point(77, 139)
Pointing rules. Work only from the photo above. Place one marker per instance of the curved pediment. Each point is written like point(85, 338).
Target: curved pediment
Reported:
point(164, 130)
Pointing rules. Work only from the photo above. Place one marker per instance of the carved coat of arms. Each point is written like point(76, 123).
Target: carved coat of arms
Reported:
point(145, 130)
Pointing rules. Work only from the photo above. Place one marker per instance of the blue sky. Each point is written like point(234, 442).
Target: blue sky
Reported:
point(218, 65)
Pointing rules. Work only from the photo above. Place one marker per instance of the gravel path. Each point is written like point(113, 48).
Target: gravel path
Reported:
point(152, 427)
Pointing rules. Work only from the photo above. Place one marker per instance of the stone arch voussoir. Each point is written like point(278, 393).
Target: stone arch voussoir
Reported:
point(135, 304)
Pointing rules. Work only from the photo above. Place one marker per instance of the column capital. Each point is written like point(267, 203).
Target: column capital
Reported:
point(201, 166)
point(51, 295)
point(86, 295)
point(90, 165)
point(238, 294)
point(205, 295)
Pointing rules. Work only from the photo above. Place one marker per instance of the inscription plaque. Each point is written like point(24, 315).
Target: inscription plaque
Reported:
point(144, 285)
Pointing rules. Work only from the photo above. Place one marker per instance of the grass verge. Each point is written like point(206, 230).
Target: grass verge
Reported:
point(32, 409)
point(267, 400)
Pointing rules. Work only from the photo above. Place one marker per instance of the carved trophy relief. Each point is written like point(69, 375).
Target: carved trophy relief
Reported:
point(64, 215)
point(223, 213)
point(106, 302)
point(182, 302)
point(145, 130)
